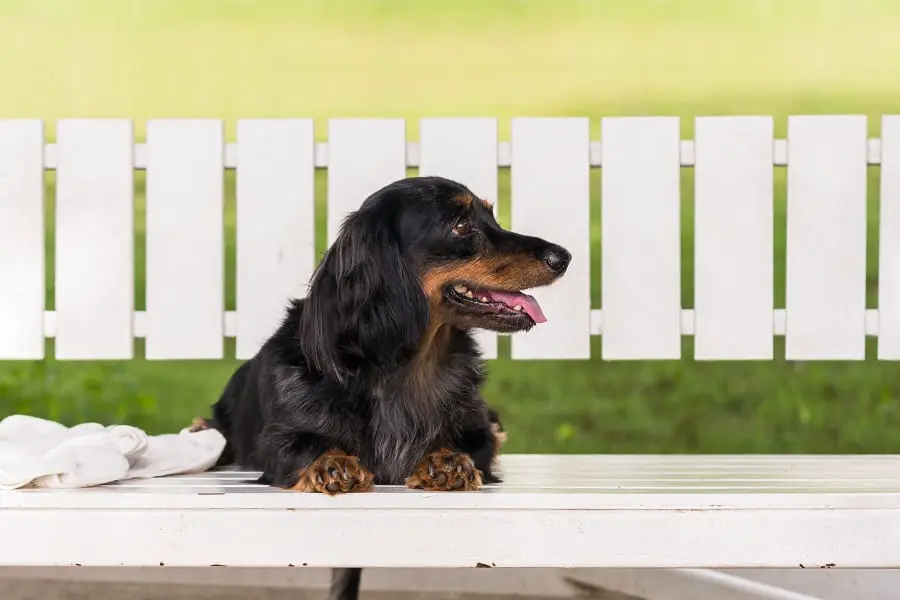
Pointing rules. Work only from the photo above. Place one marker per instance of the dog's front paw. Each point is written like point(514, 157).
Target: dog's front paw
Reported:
point(445, 471)
point(335, 473)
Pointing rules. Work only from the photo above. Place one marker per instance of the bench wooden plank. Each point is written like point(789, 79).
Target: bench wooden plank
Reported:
point(465, 150)
point(542, 482)
point(552, 511)
point(455, 538)
point(276, 249)
point(21, 239)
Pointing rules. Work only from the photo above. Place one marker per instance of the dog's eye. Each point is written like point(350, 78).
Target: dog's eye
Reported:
point(462, 227)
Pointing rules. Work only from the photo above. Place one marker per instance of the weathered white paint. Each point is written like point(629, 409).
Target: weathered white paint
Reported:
point(733, 238)
point(641, 226)
point(94, 239)
point(21, 239)
point(552, 511)
point(551, 199)
point(464, 150)
point(826, 238)
point(185, 239)
point(275, 224)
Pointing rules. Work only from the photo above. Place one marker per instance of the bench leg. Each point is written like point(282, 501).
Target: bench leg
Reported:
point(345, 584)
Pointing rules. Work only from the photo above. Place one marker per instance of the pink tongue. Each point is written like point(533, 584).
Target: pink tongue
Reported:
point(529, 305)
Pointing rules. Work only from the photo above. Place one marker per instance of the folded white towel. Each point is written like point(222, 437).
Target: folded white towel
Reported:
point(40, 453)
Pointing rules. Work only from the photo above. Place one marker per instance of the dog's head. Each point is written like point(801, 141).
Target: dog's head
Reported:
point(420, 254)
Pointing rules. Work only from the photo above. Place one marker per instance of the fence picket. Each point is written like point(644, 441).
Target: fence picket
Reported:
point(826, 238)
point(185, 239)
point(94, 239)
point(641, 238)
point(364, 155)
point(464, 150)
point(275, 224)
point(889, 241)
point(551, 199)
point(22, 239)
point(733, 238)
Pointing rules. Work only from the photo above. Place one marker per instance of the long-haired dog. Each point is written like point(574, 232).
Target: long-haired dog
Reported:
point(374, 377)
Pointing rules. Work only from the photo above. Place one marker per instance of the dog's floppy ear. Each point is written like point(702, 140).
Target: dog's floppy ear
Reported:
point(366, 307)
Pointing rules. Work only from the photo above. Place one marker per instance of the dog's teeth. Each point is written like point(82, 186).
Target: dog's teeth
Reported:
point(518, 307)
point(483, 299)
point(470, 295)
point(460, 288)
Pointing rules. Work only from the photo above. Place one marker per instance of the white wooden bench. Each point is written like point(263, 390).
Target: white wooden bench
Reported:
point(552, 511)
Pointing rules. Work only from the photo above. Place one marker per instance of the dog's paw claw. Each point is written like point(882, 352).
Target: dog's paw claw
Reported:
point(446, 470)
point(335, 473)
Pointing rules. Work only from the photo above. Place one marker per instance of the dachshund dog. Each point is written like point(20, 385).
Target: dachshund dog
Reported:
point(373, 377)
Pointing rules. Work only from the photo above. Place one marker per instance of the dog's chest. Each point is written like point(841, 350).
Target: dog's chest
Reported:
point(403, 430)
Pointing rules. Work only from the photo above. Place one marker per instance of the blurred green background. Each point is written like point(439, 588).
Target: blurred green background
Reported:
point(504, 58)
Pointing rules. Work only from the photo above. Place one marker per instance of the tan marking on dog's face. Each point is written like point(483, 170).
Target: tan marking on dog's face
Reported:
point(514, 272)
point(487, 204)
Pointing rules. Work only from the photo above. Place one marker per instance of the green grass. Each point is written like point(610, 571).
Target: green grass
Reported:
point(231, 59)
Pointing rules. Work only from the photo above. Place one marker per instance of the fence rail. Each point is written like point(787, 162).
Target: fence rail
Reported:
point(734, 317)
point(686, 153)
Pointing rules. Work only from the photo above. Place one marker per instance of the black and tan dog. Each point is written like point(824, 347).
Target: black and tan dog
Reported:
point(374, 377)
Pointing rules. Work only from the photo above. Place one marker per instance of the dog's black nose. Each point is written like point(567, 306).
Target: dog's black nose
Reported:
point(557, 258)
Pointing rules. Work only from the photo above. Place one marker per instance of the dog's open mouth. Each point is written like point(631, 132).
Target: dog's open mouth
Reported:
point(502, 303)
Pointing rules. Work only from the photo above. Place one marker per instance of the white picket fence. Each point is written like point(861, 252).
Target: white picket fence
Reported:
point(641, 317)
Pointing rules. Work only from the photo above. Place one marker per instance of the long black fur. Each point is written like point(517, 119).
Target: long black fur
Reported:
point(346, 368)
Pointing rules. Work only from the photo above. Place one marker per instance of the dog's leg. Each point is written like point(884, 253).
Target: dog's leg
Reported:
point(482, 442)
point(335, 473)
point(497, 430)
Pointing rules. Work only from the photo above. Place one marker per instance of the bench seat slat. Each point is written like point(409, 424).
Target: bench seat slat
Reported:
point(552, 511)
point(539, 482)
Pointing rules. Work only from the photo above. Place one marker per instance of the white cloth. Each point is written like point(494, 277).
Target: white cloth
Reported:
point(39, 453)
